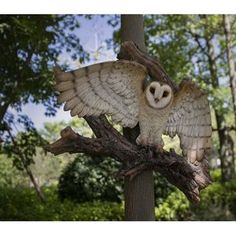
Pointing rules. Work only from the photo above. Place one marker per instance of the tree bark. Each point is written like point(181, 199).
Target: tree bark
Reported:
point(226, 150)
point(189, 178)
point(231, 65)
point(138, 192)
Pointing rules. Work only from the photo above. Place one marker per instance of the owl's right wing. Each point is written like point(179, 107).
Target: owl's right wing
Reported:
point(104, 88)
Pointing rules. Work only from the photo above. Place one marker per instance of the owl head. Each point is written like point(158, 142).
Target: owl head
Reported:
point(159, 96)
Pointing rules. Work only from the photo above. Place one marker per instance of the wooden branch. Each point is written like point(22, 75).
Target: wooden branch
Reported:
point(155, 69)
point(109, 141)
point(189, 178)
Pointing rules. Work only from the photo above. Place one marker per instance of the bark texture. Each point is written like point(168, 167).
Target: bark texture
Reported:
point(189, 178)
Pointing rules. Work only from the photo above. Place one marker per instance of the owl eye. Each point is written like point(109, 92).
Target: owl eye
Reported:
point(152, 90)
point(165, 94)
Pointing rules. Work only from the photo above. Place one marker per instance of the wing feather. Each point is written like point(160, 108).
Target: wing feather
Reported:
point(105, 88)
point(190, 119)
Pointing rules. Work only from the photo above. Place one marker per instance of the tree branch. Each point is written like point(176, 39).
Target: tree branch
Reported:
point(3, 110)
point(155, 69)
point(109, 141)
point(189, 178)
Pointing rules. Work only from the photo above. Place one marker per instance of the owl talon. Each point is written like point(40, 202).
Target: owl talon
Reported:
point(138, 140)
point(141, 141)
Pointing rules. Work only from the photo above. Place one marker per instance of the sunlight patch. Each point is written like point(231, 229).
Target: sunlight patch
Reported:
point(173, 143)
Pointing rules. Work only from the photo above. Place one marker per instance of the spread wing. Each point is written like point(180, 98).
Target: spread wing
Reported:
point(105, 88)
point(190, 119)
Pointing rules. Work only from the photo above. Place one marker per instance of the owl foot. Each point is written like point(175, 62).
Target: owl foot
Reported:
point(140, 140)
point(144, 142)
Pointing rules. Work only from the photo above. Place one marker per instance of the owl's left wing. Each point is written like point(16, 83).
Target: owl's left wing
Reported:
point(190, 119)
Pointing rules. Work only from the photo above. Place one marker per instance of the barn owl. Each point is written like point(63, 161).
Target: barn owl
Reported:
point(117, 88)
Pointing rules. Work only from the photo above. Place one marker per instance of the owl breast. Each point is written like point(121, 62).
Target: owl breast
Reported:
point(152, 123)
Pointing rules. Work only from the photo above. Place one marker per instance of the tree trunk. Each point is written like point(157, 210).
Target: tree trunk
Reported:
point(26, 167)
point(35, 184)
point(139, 192)
point(226, 150)
point(231, 65)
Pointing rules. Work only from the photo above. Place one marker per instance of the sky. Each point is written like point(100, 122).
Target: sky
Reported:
point(92, 34)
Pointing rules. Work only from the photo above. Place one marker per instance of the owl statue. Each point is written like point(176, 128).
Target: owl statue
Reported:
point(117, 88)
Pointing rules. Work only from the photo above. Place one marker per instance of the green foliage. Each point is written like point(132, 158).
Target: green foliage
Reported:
point(166, 39)
point(32, 45)
point(218, 202)
point(9, 175)
point(94, 178)
point(48, 168)
point(174, 207)
point(222, 100)
point(23, 148)
point(51, 130)
point(162, 188)
point(22, 204)
point(88, 179)
point(172, 143)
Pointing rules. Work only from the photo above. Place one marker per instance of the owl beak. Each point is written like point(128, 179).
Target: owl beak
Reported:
point(158, 97)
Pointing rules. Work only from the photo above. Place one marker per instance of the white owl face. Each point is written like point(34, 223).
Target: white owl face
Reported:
point(158, 96)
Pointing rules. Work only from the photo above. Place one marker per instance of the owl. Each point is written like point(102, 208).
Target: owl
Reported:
point(117, 88)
